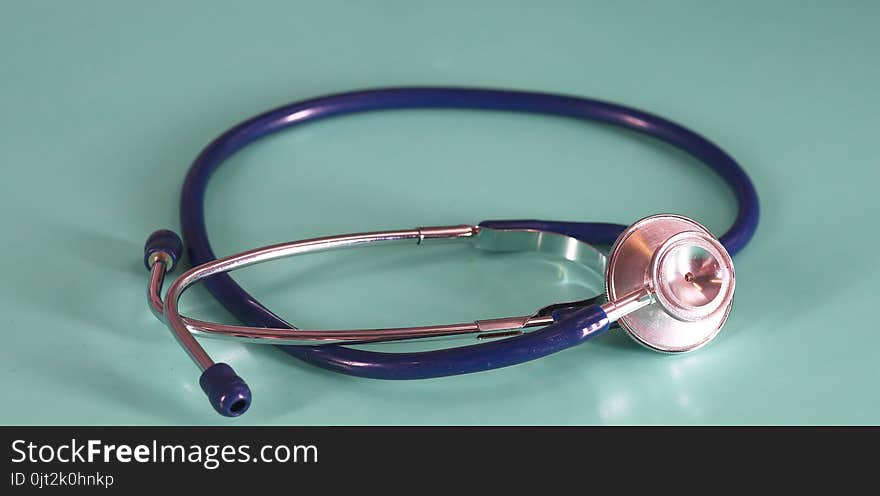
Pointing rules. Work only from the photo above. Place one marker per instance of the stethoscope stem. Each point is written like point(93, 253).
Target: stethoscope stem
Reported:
point(629, 303)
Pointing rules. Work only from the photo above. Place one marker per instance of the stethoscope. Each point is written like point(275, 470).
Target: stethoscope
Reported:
point(669, 282)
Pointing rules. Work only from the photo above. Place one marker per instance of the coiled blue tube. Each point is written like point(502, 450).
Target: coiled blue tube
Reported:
point(466, 359)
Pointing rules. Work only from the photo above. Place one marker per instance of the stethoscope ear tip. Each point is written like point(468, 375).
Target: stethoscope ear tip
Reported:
point(228, 393)
point(163, 245)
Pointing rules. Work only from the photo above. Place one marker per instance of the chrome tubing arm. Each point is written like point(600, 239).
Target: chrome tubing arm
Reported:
point(185, 328)
point(154, 289)
point(483, 328)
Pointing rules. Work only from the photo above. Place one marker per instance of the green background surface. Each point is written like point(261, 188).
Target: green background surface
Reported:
point(103, 105)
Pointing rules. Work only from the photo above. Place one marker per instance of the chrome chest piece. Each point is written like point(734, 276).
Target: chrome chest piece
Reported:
point(681, 276)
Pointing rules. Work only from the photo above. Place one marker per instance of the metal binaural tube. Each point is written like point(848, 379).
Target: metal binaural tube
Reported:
point(485, 239)
point(154, 289)
point(228, 393)
point(446, 233)
point(161, 253)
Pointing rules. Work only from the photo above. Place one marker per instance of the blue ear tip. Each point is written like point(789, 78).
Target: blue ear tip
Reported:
point(164, 241)
point(227, 392)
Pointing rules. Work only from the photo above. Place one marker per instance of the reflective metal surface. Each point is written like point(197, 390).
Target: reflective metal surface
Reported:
point(679, 264)
point(483, 238)
point(627, 304)
point(154, 289)
point(692, 276)
point(566, 247)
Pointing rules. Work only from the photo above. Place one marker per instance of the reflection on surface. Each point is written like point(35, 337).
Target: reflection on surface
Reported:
point(631, 401)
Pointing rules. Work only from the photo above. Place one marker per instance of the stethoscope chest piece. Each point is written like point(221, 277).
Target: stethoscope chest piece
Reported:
point(688, 273)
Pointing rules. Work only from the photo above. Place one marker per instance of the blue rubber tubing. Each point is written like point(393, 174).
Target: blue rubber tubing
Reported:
point(465, 359)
